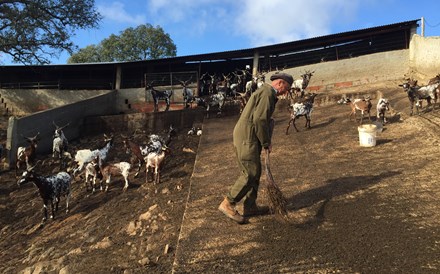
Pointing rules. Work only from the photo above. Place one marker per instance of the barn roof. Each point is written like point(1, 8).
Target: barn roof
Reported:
point(290, 54)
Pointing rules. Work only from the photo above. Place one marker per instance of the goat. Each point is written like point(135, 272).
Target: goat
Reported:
point(159, 95)
point(135, 151)
point(138, 151)
point(59, 143)
point(84, 156)
point(224, 86)
point(215, 100)
point(204, 86)
point(212, 89)
point(93, 171)
point(256, 82)
point(26, 154)
point(195, 131)
point(50, 188)
point(382, 106)
point(299, 85)
point(434, 80)
point(154, 159)
point(109, 170)
point(188, 95)
point(303, 108)
point(364, 105)
point(416, 93)
point(154, 153)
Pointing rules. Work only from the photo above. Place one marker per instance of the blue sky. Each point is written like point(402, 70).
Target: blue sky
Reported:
point(205, 26)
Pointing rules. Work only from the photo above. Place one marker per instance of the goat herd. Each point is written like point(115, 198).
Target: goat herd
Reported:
point(215, 91)
point(90, 162)
point(52, 187)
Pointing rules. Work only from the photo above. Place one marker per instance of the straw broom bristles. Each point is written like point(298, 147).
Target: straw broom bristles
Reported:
point(277, 201)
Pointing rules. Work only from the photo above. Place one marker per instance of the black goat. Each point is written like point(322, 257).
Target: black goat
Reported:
point(416, 93)
point(50, 188)
point(159, 95)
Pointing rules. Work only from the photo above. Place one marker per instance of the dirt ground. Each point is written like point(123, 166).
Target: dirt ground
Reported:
point(352, 209)
point(104, 232)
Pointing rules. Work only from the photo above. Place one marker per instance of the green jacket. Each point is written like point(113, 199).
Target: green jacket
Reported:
point(254, 123)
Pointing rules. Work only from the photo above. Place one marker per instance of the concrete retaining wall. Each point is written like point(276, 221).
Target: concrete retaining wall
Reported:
point(148, 122)
point(43, 122)
point(21, 102)
point(355, 71)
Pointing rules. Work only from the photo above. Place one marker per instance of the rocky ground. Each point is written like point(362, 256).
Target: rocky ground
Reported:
point(352, 209)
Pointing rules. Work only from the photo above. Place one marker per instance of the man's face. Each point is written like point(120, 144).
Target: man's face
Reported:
point(284, 87)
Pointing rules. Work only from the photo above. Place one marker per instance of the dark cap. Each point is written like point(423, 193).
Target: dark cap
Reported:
point(281, 75)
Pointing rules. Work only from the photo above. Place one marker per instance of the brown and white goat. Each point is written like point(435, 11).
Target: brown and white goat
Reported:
point(363, 105)
point(115, 169)
point(26, 155)
point(135, 151)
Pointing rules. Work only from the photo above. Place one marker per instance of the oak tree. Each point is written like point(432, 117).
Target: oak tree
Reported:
point(34, 31)
point(133, 44)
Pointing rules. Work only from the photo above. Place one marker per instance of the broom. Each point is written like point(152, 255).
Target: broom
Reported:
point(277, 201)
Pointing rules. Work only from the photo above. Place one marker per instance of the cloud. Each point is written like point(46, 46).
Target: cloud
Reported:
point(279, 21)
point(260, 22)
point(116, 12)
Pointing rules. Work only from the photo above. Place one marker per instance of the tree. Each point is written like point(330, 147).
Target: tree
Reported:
point(34, 31)
point(133, 44)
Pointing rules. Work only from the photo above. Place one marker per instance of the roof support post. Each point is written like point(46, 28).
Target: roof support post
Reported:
point(118, 77)
point(255, 63)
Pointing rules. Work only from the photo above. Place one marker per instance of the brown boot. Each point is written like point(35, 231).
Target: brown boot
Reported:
point(229, 210)
point(254, 210)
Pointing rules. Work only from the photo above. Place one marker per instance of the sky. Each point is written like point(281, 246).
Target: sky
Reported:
point(206, 26)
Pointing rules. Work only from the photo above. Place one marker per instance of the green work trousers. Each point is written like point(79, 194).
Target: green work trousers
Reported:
point(248, 152)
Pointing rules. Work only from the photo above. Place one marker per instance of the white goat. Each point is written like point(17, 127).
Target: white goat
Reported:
point(85, 156)
point(93, 172)
point(256, 82)
point(299, 85)
point(154, 160)
point(382, 106)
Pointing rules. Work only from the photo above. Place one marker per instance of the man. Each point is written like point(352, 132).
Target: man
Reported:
point(252, 133)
